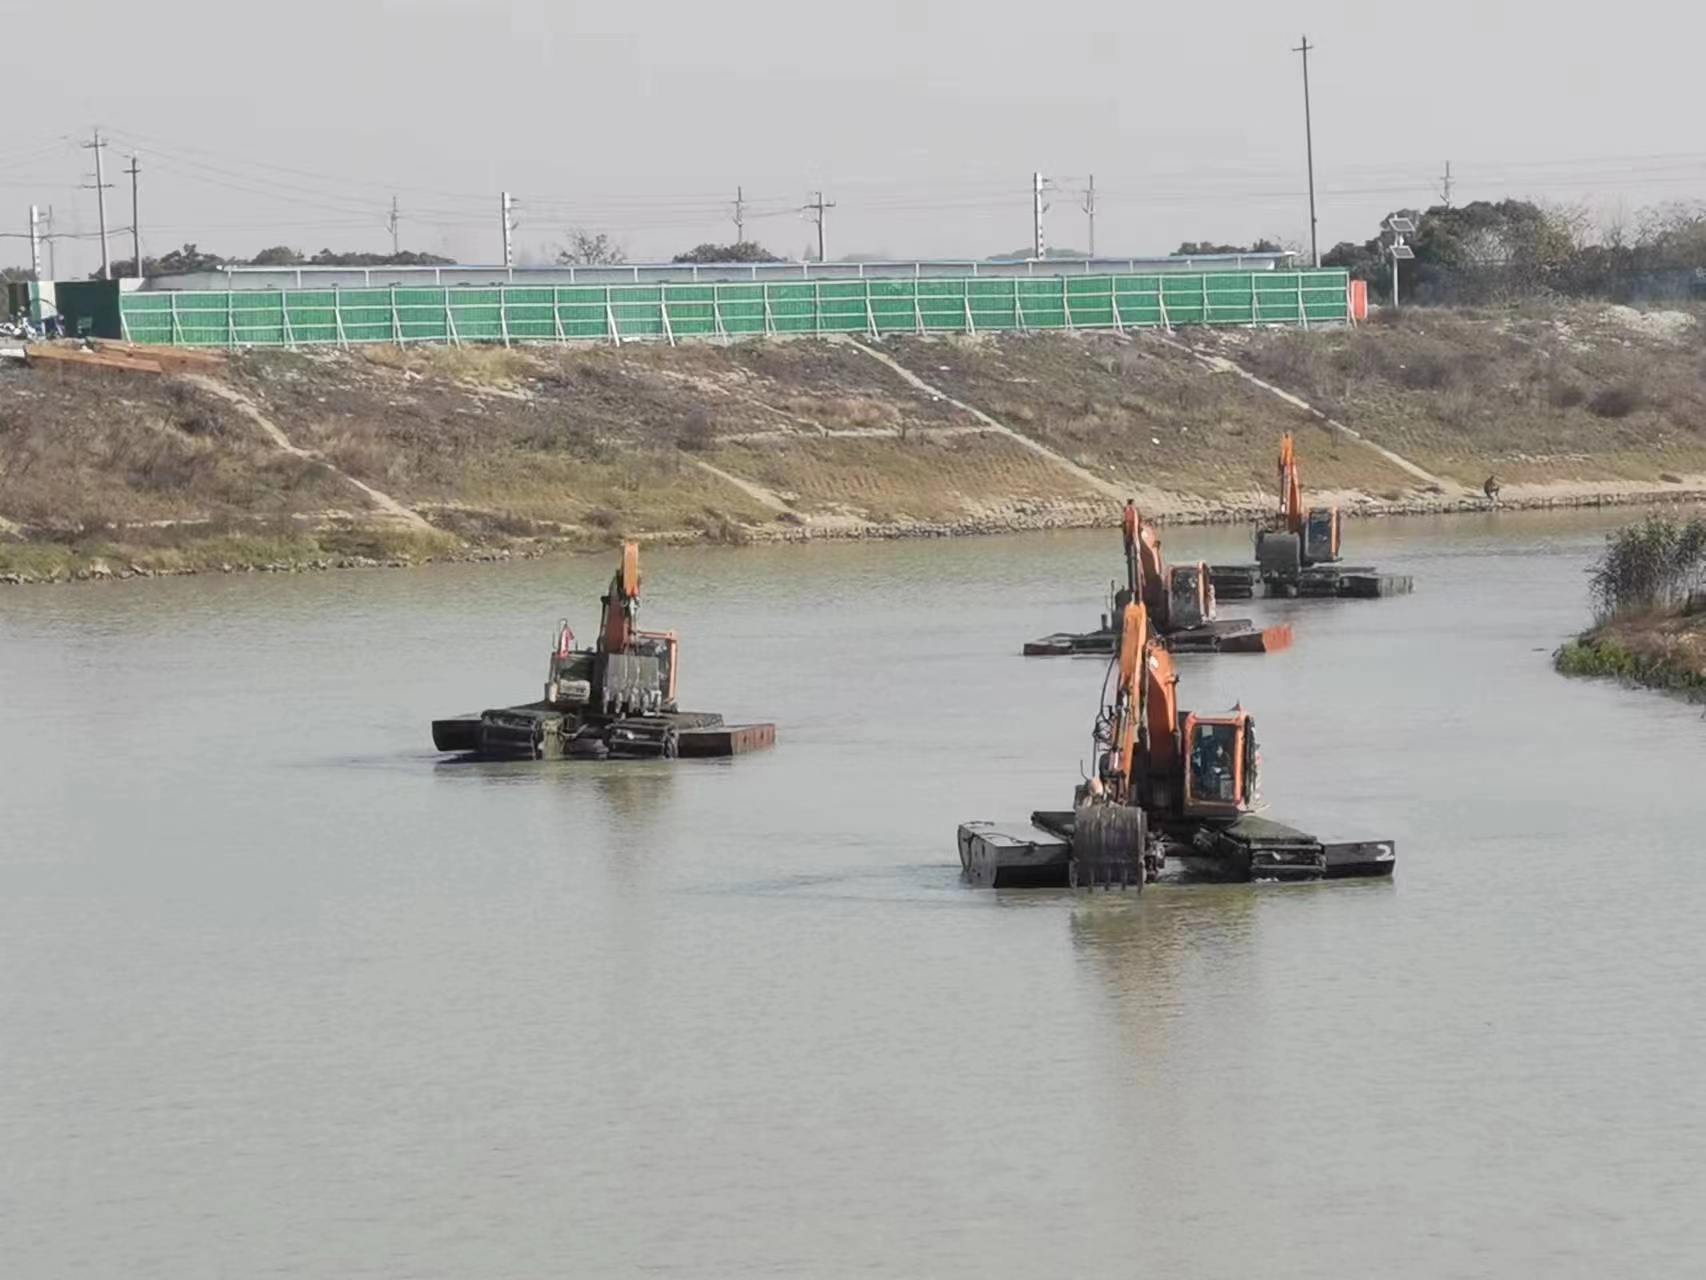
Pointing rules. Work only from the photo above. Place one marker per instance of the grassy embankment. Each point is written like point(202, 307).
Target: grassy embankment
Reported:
point(1650, 609)
point(391, 455)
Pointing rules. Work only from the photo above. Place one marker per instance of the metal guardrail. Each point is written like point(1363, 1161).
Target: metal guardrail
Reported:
point(460, 275)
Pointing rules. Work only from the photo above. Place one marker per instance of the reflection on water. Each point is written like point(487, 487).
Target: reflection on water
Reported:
point(286, 993)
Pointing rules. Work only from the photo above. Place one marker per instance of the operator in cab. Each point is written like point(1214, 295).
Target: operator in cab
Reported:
point(1211, 765)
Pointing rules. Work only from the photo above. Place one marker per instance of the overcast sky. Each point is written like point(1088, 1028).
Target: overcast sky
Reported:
point(922, 120)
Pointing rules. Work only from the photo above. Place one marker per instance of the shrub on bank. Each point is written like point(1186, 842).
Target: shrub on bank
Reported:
point(1648, 567)
point(1595, 654)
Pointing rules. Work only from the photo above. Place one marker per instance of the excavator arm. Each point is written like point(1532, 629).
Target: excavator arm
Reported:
point(621, 604)
point(1128, 704)
point(1146, 576)
point(1291, 487)
point(1143, 724)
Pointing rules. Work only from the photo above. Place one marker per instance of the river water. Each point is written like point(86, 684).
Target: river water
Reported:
point(283, 994)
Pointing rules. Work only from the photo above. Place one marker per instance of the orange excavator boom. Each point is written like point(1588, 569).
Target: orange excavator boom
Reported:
point(1146, 576)
point(1291, 486)
point(1142, 737)
point(622, 603)
point(1128, 702)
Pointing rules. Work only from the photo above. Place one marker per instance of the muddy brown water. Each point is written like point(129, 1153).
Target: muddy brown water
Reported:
point(282, 994)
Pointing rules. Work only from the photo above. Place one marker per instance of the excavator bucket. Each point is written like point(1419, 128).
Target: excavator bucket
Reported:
point(1109, 842)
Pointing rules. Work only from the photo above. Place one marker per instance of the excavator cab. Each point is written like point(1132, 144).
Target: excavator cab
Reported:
point(1190, 596)
point(1321, 536)
point(1220, 764)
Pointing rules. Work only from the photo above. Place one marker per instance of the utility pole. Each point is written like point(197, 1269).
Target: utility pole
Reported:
point(35, 243)
point(1090, 210)
point(1309, 150)
point(52, 260)
point(509, 226)
point(740, 215)
point(393, 222)
point(1036, 215)
point(135, 226)
point(1445, 185)
point(817, 207)
point(101, 188)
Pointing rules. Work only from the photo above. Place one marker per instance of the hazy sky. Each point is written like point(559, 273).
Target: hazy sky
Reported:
point(923, 121)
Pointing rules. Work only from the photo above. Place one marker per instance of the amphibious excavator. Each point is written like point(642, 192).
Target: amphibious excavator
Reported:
point(1172, 791)
point(614, 700)
point(1297, 552)
point(1179, 600)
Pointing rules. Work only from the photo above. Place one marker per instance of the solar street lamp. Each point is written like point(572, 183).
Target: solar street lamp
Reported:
point(1398, 228)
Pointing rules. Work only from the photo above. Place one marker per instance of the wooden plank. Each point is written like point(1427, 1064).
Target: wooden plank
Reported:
point(76, 357)
point(166, 357)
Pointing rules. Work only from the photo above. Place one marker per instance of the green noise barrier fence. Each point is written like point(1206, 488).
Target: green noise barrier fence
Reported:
point(682, 312)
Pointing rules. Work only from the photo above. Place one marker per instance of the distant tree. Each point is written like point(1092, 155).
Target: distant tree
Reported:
point(280, 255)
point(182, 261)
point(585, 249)
point(405, 258)
point(1481, 250)
point(743, 251)
point(14, 275)
point(190, 259)
point(1203, 248)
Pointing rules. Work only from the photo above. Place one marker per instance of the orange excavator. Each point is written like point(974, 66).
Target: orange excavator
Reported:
point(616, 699)
point(1299, 539)
point(1179, 600)
point(629, 672)
point(1159, 773)
point(1297, 552)
point(1171, 790)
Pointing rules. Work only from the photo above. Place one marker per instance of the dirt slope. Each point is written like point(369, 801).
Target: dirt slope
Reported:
point(329, 456)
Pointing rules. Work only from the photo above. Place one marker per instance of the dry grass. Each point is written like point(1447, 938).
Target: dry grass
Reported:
point(1533, 394)
point(496, 445)
point(480, 366)
point(76, 453)
point(932, 478)
point(1143, 412)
